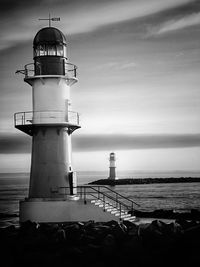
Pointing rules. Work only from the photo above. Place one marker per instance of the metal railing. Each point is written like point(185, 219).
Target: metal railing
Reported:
point(29, 70)
point(39, 117)
point(104, 194)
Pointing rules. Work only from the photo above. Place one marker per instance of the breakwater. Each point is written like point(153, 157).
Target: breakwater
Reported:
point(193, 214)
point(127, 181)
point(102, 244)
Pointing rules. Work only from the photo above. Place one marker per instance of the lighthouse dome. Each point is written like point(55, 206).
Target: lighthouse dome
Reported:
point(49, 52)
point(49, 35)
point(49, 42)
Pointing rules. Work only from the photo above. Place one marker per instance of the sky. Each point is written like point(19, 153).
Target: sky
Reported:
point(138, 92)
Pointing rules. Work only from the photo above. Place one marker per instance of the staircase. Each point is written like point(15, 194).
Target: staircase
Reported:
point(123, 215)
point(109, 200)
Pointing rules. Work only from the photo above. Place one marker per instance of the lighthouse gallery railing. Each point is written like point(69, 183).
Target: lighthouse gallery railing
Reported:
point(37, 117)
point(29, 70)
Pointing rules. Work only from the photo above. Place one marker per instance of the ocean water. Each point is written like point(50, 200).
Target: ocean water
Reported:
point(180, 197)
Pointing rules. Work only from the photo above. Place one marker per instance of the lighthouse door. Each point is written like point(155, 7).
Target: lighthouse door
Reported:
point(72, 183)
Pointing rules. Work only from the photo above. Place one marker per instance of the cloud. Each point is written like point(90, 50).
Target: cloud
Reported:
point(116, 65)
point(82, 17)
point(14, 144)
point(11, 144)
point(176, 24)
point(89, 18)
point(129, 142)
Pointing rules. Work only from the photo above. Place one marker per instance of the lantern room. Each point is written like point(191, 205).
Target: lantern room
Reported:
point(50, 52)
point(112, 156)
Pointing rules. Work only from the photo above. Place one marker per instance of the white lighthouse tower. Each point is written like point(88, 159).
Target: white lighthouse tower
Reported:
point(51, 124)
point(112, 168)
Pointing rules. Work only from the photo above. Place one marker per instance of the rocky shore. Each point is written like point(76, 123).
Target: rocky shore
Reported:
point(102, 244)
point(126, 181)
point(193, 214)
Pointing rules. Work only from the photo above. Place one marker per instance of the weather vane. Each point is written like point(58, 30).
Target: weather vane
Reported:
point(51, 19)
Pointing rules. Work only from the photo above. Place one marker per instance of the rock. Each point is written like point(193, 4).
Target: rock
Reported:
point(102, 244)
point(88, 239)
point(99, 232)
point(109, 244)
point(173, 229)
point(10, 228)
point(102, 227)
point(111, 223)
point(129, 224)
point(74, 251)
point(186, 224)
point(192, 233)
point(60, 235)
point(124, 227)
point(47, 228)
point(89, 224)
point(132, 231)
point(150, 234)
point(119, 232)
point(28, 228)
point(195, 214)
point(166, 228)
point(73, 233)
point(92, 253)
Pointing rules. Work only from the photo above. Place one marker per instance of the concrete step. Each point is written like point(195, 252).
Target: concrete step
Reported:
point(98, 203)
point(111, 208)
point(94, 200)
point(104, 205)
point(114, 212)
point(118, 214)
point(131, 219)
point(125, 216)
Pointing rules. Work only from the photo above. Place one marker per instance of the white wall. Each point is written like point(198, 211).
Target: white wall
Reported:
point(62, 211)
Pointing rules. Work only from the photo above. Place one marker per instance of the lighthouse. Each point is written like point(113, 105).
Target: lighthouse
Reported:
point(112, 168)
point(51, 124)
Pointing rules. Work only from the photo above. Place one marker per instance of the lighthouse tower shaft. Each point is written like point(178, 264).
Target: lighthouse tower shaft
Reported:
point(51, 165)
point(51, 123)
point(112, 167)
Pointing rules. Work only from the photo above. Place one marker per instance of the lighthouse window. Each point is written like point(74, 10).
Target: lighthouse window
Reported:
point(59, 49)
point(51, 50)
point(37, 51)
point(64, 51)
point(42, 50)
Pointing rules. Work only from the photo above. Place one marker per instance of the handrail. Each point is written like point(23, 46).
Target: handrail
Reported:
point(111, 197)
point(113, 192)
point(104, 196)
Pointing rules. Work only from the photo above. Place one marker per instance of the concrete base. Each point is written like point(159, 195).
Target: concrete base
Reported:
point(64, 210)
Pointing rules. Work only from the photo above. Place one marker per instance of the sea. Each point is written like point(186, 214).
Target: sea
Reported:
point(180, 197)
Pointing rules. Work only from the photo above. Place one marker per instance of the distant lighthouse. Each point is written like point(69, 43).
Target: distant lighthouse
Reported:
point(51, 124)
point(112, 168)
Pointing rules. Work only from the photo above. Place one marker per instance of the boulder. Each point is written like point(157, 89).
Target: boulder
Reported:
point(109, 245)
point(119, 232)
